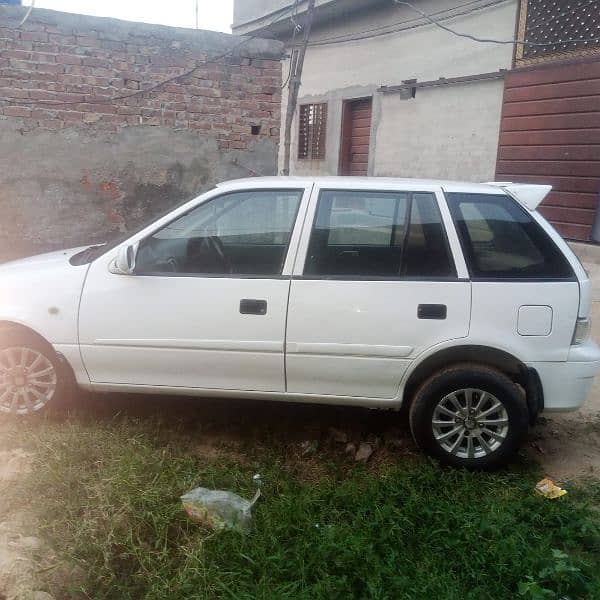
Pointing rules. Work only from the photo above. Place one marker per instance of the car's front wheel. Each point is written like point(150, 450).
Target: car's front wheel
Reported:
point(31, 376)
point(469, 415)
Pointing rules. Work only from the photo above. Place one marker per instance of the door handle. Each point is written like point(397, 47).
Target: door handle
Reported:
point(432, 311)
point(249, 306)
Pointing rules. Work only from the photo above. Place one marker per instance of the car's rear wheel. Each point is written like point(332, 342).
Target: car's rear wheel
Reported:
point(32, 378)
point(469, 415)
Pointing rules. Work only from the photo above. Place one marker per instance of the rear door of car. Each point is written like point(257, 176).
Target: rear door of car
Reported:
point(525, 293)
point(378, 279)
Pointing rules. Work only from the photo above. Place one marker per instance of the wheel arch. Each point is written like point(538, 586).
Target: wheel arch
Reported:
point(503, 361)
point(7, 325)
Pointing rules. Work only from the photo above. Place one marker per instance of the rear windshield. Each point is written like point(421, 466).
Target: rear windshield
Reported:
point(500, 239)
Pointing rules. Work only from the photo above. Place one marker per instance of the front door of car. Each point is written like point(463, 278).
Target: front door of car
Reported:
point(375, 285)
point(206, 304)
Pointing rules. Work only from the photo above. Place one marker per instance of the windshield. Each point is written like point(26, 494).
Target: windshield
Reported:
point(97, 250)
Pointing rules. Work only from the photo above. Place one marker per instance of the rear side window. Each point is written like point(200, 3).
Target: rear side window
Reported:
point(378, 234)
point(500, 239)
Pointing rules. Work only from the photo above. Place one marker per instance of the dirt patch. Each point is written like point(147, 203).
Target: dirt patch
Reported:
point(568, 447)
point(13, 463)
point(22, 555)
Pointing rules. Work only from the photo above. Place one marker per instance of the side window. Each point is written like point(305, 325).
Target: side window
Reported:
point(378, 234)
point(501, 240)
point(243, 233)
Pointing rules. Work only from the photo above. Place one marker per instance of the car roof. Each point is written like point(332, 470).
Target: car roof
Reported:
point(528, 194)
point(362, 182)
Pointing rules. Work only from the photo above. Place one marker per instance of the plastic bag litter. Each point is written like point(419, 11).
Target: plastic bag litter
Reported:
point(547, 488)
point(220, 509)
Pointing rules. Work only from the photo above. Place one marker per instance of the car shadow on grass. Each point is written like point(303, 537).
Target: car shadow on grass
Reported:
point(306, 431)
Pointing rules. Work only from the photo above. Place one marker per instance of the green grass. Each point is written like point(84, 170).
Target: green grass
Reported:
point(107, 496)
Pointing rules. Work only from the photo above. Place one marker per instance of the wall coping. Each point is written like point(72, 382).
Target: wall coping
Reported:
point(117, 29)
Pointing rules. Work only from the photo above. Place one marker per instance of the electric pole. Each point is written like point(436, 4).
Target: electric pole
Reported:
point(294, 87)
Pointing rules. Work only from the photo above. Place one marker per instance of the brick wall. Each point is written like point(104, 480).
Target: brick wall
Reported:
point(64, 81)
point(79, 63)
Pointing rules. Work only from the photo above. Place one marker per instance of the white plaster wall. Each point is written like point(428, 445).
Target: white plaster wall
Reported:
point(444, 133)
point(423, 136)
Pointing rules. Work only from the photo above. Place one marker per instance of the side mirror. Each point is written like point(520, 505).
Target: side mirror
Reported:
point(124, 263)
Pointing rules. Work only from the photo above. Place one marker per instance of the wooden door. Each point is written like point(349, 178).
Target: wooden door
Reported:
point(356, 134)
point(550, 133)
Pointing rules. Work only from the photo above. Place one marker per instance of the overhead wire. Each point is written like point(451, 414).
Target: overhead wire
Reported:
point(475, 6)
point(26, 15)
point(379, 30)
point(475, 38)
point(295, 31)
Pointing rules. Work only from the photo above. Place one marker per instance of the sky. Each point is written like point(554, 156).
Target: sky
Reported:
point(216, 15)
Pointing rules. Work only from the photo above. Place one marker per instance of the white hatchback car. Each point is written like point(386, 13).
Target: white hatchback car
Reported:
point(458, 299)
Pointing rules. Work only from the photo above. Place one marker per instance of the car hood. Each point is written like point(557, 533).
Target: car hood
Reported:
point(49, 260)
point(42, 293)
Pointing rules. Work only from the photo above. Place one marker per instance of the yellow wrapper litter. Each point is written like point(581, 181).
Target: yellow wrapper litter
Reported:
point(547, 488)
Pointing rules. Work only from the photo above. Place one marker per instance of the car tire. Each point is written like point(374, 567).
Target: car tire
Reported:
point(33, 379)
point(469, 415)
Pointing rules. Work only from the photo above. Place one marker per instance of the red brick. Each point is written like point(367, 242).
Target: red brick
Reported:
point(95, 108)
point(44, 57)
point(12, 92)
point(57, 38)
point(42, 114)
point(43, 95)
point(69, 115)
point(88, 41)
point(51, 124)
point(49, 48)
point(93, 61)
point(68, 59)
point(16, 111)
point(34, 36)
point(49, 68)
point(18, 54)
point(114, 46)
point(66, 78)
point(21, 64)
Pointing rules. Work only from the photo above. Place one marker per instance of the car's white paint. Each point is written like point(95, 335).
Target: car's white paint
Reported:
point(534, 320)
point(330, 341)
point(530, 195)
point(356, 338)
point(177, 331)
point(42, 293)
point(182, 331)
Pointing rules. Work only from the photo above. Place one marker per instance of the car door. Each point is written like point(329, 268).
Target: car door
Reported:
point(206, 304)
point(378, 280)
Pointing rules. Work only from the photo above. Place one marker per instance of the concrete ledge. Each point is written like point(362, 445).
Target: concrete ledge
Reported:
point(587, 253)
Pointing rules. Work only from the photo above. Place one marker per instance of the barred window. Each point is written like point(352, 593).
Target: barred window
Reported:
point(313, 130)
point(556, 24)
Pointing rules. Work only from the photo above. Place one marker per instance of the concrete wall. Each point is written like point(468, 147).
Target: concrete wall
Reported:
point(79, 166)
point(245, 11)
point(443, 132)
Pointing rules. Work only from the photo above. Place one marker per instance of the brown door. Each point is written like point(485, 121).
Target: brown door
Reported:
point(356, 133)
point(550, 133)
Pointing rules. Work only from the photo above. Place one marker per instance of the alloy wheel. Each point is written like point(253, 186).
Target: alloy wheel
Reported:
point(470, 423)
point(27, 380)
